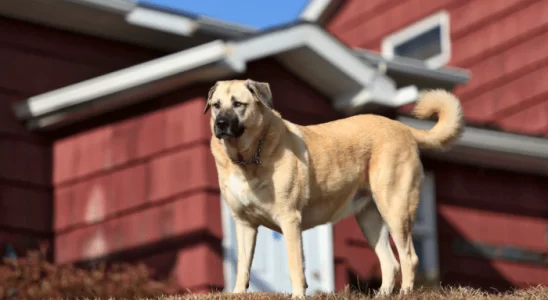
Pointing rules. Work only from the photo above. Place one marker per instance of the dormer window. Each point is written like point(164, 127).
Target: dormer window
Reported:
point(427, 40)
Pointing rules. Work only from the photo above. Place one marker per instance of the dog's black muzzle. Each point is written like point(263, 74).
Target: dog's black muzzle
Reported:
point(227, 126)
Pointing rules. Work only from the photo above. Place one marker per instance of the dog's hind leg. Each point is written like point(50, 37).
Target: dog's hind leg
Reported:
point(396, 191)
point(246, 236)
point(376, 232)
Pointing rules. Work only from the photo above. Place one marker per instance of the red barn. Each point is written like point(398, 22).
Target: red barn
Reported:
point(106, 147)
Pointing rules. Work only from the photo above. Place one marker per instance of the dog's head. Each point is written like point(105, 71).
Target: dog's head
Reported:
point(238, 106)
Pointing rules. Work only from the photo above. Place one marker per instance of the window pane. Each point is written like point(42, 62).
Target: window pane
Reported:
point(419, 218)
point(423, 46)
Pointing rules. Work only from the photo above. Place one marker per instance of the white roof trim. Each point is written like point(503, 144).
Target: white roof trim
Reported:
point(114, 5)
point(494, 148)
point(318, 40)
point(294, 44)
point(161, 21)
point(124, 79)
point(314, 10)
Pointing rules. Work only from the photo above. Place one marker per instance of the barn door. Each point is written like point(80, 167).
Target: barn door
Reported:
point(269, 270)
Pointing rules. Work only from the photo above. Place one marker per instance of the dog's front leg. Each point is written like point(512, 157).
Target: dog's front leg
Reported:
point(291, 229)
point(246, 234)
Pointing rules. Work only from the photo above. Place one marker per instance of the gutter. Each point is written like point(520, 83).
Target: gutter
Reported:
point(416, 68)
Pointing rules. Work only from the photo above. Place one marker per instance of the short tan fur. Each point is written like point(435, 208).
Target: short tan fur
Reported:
point(310, 175)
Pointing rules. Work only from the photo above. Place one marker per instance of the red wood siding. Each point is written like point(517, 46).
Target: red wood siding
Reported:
point(502, 43)
point(138, 182)
point(494, 207)
point(34, 60)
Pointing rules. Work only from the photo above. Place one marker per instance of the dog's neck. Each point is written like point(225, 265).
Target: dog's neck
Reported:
point(245, 150)
point(254, 159)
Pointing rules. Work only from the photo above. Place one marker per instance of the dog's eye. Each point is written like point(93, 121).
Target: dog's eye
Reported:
point(217, 105)
point(237, 104)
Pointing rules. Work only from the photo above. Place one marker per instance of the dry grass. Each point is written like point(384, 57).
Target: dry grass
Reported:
point(32, 277)
point(534, 293)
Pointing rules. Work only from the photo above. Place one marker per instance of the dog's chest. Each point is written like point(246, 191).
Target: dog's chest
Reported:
point(245, 192)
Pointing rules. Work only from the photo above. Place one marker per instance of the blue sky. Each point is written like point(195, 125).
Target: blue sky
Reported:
point(259, 14)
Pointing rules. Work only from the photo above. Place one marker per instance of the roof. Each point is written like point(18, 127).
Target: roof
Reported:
point(140, 23)
point(306, 49)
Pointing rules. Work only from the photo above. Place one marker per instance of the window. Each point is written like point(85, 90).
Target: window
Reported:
point(267, 274)
point(427, 40)
point(425, 236)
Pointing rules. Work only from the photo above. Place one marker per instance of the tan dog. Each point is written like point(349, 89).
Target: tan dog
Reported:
point(290, 178)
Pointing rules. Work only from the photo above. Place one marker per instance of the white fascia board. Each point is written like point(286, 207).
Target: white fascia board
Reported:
point(406, 95)
point(314, 10)
point(162, 21)
point(120, 6)
point(223, 28)
point(125, 79)
point(507, 150)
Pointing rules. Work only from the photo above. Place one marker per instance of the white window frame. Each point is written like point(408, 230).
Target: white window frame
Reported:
point(230, 255)
point(425, 231)
point(441, 19)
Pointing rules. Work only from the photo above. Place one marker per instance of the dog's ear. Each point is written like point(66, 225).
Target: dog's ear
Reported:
point(261, 91)
point(209, 94)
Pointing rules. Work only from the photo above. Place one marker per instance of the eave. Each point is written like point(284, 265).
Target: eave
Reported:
point(305, 49)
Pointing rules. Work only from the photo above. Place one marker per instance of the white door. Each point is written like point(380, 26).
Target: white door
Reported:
point(269, 270)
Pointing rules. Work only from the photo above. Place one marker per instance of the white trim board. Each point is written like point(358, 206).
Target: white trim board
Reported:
point(162, 21)
point(315, 10)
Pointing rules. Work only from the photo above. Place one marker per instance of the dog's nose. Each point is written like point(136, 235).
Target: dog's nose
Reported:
point(221, 123)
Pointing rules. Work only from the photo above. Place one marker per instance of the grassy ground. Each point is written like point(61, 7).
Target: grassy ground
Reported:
point(535, 293)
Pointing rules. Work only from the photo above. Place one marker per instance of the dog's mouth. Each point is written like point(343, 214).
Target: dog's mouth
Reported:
point(229, 133)
point(223, 135)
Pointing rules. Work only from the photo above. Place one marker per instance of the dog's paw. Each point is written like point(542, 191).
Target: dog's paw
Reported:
point(383, 292)
point(405, 291)
point(297, 296)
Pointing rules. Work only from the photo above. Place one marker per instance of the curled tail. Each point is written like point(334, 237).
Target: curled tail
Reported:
point(450, 119)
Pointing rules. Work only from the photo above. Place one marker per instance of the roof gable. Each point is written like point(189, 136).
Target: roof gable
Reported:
point(305, 49)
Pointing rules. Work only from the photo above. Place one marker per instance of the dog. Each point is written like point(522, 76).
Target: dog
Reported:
point(290, 178)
